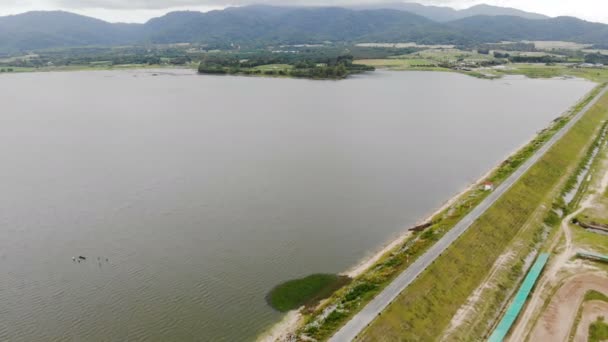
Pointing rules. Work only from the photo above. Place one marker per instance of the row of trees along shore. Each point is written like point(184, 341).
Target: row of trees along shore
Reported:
point(283, 65)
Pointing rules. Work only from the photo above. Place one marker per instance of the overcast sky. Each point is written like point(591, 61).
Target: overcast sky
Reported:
point(142, 10)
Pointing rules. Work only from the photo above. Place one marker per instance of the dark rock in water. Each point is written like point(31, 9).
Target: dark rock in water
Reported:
point(422, 227)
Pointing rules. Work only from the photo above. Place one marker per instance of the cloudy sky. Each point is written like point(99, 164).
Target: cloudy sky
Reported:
point(142, 10)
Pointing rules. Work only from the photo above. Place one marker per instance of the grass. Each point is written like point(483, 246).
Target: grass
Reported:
point(274, 67)
point(594, 241)
point(446, 55)
point(598, 331)
point(426, 307)
point(594, 295)
point(402, 64)
point(305, 291)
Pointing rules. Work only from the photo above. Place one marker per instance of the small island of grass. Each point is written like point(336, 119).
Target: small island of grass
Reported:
point(306, 291)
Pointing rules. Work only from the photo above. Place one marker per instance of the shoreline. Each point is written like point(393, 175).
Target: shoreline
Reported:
point(286, 327)
point(78, 68)
point(371, 259)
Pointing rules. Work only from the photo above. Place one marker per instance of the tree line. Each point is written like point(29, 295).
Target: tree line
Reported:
point(320, 66)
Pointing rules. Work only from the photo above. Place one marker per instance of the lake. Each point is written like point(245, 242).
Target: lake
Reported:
point(192, 196)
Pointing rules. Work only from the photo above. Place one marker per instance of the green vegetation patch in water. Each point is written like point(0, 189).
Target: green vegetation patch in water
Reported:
point(306, 291)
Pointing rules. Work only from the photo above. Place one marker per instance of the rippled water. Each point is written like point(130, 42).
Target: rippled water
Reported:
point(205, 192)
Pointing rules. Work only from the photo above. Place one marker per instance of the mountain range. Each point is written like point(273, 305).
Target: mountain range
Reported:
point(445, 14)
point(259, 25)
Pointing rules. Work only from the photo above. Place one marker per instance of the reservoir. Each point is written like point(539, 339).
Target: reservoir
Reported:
point(192, 196)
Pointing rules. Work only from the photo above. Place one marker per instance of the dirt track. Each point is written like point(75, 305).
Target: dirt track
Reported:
point(591, 311)
point(556, 321)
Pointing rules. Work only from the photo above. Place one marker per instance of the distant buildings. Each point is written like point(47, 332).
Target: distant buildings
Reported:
point(591, 65)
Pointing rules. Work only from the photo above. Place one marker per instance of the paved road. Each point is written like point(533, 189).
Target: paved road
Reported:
point(361, 320)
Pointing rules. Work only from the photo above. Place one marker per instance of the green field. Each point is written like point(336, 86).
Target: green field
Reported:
point(423, 310)
point(274, 67)
point(402, 64)
point(594, 295)
point(451, 55)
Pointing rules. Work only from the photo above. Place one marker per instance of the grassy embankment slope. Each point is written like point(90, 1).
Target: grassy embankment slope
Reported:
point(424, 310)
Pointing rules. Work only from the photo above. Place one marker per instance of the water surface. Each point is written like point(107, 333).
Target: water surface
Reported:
point(204, 192)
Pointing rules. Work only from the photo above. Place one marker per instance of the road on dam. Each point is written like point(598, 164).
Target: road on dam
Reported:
point(361, 320)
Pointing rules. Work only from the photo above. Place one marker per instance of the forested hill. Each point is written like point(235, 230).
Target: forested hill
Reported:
point(494, 29)
point(35, 30)
point(262, 24)
point(268, 25)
